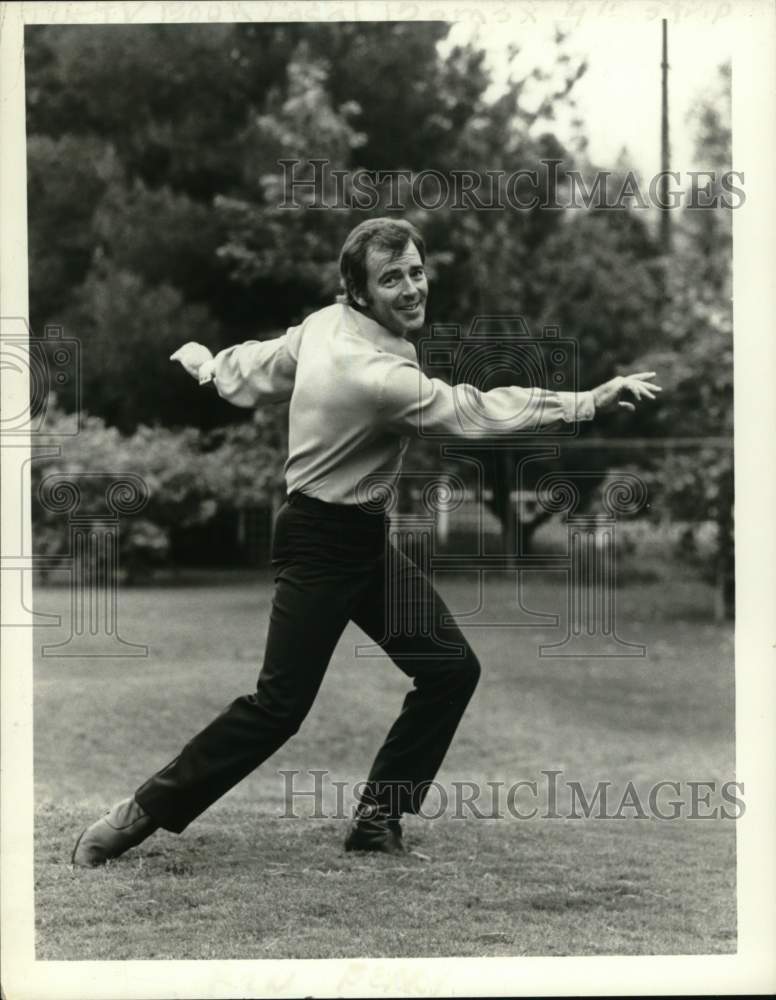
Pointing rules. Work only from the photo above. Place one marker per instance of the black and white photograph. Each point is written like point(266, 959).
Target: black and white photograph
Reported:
point(388, 545)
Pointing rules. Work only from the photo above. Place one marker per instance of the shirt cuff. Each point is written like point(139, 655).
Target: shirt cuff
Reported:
point(207, 371)
point(577, 406)
point(585, 405)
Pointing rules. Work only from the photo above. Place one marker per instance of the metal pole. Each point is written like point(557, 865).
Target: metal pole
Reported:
point(665, 217)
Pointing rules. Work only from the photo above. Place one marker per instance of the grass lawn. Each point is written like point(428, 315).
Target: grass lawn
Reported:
point(244, 883)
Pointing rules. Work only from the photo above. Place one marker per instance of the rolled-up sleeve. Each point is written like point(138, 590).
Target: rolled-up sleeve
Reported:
point(410, 402)
point(256, 371)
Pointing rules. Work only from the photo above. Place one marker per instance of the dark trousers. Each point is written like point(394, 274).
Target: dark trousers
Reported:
point(332, 564)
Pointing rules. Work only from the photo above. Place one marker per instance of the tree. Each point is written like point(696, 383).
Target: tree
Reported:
point(137, 130)
point(505, 262)
point(695, 358)
point(174, 132)
point(66, 180)
point(128, 330)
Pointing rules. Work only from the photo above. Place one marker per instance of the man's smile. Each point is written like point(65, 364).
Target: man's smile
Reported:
point(396, 289)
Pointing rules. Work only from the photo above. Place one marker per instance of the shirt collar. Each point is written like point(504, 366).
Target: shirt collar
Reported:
point(382, 339)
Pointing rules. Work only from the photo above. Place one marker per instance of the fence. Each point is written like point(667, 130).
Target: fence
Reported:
point(432, 514)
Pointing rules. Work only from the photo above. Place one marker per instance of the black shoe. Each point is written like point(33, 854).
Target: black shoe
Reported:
point(125, 826)
point(372, 830)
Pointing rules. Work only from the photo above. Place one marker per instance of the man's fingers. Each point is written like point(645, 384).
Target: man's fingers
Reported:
point(644, 379)
point(639, 388)
point(626, 406)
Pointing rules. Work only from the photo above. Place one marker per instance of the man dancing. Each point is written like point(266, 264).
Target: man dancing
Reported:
point(356, 393)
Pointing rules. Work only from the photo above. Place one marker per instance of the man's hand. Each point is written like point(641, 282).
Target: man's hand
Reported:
point(192, 356)
point(609, 395)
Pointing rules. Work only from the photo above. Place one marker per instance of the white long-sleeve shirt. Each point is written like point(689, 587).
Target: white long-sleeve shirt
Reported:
point(357, 393)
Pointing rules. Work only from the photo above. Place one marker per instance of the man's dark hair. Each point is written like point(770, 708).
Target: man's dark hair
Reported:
point(382, 234)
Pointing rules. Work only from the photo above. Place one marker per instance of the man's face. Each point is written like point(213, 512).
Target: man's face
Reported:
point(396, 289)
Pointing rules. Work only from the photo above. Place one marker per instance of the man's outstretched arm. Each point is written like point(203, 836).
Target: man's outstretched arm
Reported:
point(248, 374)
point(411, 402)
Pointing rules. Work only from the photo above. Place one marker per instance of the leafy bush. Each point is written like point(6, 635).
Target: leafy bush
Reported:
point(187, 476)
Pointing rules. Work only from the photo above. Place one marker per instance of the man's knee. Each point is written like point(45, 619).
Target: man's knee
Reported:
point(285, 713)
point(471, 669)
point(463, 672)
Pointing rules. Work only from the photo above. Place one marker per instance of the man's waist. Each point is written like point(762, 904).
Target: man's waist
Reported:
point(371, 513)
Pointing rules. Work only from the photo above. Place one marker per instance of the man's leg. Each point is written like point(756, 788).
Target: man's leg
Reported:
point(321, 571)
point(303, 631)
point(305, 624)
point(404, 614)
